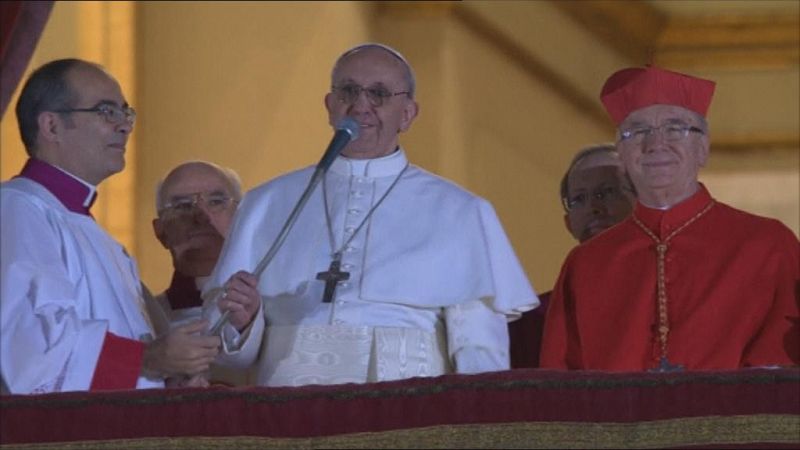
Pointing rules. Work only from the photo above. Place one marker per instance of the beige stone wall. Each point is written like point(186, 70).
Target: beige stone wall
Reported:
point(242, 84)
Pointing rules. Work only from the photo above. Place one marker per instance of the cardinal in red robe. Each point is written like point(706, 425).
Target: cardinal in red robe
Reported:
point(686, 282)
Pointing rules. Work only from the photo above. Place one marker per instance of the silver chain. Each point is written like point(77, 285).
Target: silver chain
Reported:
point(337, 254)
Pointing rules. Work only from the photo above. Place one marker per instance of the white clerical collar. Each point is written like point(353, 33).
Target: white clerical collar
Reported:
point(378, 167)
point(92, 188)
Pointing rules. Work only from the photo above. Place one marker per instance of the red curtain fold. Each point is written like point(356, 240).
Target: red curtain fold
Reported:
point(21, 25)
point(9, 14)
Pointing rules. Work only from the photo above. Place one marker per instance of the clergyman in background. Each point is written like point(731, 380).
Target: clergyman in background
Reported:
point(195, 205)
point(596, 194)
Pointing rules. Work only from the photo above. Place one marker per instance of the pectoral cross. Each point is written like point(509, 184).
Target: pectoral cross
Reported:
point(331, 278)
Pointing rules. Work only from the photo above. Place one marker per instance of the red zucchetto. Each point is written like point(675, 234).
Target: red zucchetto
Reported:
point(630, 89)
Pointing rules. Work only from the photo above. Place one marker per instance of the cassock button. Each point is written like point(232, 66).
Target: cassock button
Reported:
point(353, 211)
point(350, 249)
point(344, 284)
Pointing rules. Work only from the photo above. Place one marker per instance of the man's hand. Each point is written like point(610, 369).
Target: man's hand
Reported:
point(183, 351)
point(241, 298)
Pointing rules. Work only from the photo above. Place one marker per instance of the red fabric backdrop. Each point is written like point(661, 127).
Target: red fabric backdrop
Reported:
point(21, 24)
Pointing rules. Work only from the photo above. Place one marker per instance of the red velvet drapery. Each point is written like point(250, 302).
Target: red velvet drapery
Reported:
point(21, 24)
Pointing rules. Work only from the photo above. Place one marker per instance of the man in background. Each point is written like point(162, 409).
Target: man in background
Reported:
point(596, 194)
point(195, 203)
point(72, 313)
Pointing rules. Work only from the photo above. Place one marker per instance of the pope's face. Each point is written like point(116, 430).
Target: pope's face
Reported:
point(655, 163)
point(380, 125)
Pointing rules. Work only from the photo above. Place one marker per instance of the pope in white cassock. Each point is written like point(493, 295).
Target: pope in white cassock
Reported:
point(390, 272)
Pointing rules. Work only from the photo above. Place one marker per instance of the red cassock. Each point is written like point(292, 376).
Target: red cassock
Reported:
point(732, 283)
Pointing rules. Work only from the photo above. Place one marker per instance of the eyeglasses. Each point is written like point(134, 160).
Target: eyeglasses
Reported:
point(670, 131)
point(186, 205)
point(604, 195)
point(112, 113)
point(349, 94)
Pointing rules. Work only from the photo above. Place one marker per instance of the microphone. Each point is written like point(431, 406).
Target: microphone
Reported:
point(346, 131)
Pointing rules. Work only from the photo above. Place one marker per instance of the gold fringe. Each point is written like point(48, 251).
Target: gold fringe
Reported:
point(712, 430)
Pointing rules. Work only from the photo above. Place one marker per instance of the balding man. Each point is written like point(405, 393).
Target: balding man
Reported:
point(195, 203)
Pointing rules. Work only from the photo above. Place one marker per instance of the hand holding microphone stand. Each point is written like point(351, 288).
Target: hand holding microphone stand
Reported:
point(346, 131)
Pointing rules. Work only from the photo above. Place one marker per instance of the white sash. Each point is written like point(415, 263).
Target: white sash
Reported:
point(337, 354)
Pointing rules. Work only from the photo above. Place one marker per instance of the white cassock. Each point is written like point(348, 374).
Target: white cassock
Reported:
point(433, 279)
point(65, 283)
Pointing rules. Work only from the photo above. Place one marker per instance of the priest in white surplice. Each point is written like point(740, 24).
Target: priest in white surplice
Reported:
point(72, 315)
point(390, 272)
